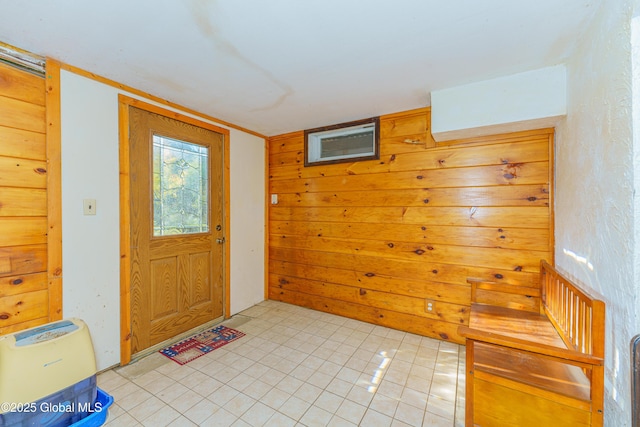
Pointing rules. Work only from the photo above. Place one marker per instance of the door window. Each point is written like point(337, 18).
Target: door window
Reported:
point(180, 187)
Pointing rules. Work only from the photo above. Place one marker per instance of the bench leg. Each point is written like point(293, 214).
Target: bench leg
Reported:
point(468, 402)
point(597, 396)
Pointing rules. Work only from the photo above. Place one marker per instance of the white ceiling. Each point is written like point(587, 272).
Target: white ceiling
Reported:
point(274, 66)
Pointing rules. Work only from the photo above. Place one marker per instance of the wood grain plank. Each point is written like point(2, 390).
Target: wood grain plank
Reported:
point(291, 164)
point(505, 195)
point(15, 285)
point(455, 294)
point(360, 295)
point(20, 85)
point(479, 176)
point(406, 123)
point(24, 259)
point(507, 217)
point(415, 143)
point(288, 161)
point(507, 259)
point(511, 238)
point(500, 138)
point(535, 150)
point(16, 201)
point(23, 173)
point(22, 143)
point(23, 307)
point(15, 231)
point(290, 142)
point(402, 269)
point(22, 115)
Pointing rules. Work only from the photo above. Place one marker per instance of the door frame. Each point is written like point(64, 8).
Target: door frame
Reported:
point(124, 102)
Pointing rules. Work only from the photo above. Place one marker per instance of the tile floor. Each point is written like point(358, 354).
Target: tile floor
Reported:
point(296, 367)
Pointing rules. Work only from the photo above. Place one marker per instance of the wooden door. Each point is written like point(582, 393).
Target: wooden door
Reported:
point(177, 228)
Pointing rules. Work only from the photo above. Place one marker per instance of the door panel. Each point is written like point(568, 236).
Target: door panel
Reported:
point(164, 295)
point(200, 289)
point(177, 271)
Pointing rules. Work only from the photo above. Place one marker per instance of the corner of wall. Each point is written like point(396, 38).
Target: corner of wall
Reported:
point(594, 189)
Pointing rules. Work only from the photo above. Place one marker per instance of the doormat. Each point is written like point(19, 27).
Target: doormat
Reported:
point(198, 345)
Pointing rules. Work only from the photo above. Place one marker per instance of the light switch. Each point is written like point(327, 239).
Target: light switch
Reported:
point(89, 206)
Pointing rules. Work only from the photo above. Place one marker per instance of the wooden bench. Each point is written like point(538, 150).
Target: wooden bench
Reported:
point(540, 364)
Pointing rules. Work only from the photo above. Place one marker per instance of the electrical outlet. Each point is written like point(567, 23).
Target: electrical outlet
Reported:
point(430, 306)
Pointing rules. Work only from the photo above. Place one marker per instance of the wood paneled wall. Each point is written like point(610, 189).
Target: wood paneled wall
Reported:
point(24, 296)
point(393, 241)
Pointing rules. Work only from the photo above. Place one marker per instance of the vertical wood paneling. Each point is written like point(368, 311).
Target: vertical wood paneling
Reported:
point(25, 299)
point(374, 240)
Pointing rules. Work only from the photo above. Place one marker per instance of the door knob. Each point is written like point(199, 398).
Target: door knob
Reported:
point(220, 241)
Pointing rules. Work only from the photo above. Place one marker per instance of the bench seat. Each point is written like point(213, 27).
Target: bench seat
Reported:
point(518, 324)
point(535, 368)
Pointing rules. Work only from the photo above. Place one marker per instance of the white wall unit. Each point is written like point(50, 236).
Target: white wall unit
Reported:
point(530, 100)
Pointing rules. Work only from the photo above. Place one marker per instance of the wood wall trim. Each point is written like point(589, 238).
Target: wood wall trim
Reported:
point(124, 102)
point(267, 202)
point(54, 188)
point(125, 231)
point(137, 92)
point(495, 139)
point(226, 183)
point(552, 203)
point(138, 103)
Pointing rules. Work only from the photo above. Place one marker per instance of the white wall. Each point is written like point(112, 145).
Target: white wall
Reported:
point(247, 220)
point(90, 244)
point(530, 100)
point(595, 190)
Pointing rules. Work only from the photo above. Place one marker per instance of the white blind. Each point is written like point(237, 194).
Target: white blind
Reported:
point(357, 143)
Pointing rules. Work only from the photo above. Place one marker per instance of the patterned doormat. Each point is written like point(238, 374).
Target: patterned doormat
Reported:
point(198, 345)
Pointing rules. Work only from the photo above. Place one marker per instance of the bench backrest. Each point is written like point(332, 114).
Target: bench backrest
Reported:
point(578, 317)
point(505, 295)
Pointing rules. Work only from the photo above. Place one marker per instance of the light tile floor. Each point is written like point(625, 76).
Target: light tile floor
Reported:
point(296, 367)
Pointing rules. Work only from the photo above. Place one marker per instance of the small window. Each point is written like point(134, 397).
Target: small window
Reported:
point(342, 143)
point(180, 187)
